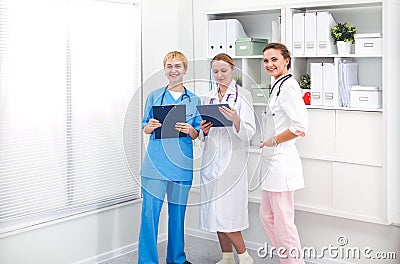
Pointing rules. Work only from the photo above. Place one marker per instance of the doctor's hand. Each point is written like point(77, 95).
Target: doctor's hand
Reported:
point(230, 114)
point(205, 127)
point(271, 142)
point(187, 129)
point(151, 126)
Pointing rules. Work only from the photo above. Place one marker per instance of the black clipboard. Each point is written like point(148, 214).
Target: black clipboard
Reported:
point(211, 113)
point(169, 115)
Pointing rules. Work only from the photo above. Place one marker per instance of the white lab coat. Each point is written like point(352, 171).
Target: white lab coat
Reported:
point(223, 175)
point(281, 168)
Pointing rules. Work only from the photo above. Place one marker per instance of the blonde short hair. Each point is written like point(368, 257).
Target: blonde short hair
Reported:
point(176, 54)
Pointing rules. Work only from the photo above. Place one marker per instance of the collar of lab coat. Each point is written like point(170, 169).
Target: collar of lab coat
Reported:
point(273, 98)
point(278, 80)
point(231, 90)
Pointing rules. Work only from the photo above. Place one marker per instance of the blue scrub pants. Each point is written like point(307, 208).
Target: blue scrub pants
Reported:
point(153, 196)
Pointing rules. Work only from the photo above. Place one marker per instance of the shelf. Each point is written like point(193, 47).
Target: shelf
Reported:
point(338, 160)
point(342, 4)
point(339, 56)
point(249, 57)
point(336, 213)
point(380, 110)
point(256, 150)
point(247, 12)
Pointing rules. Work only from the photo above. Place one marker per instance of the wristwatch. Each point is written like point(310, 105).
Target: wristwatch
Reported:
point(274, 143)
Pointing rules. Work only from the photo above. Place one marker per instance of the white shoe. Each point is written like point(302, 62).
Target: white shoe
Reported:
point(245, 258)
point(227, 258)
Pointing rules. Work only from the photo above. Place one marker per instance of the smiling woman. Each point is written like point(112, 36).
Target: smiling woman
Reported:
point(284, 120)
point(167, 168)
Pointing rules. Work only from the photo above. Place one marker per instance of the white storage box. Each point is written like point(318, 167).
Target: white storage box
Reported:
point(369, 97)
point(368, 44)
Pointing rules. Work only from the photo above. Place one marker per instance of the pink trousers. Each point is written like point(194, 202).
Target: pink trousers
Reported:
point(277, 217)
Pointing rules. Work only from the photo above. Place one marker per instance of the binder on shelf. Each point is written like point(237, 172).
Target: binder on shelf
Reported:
point(316, 84)
point(216, 37)
point(298, 33)
point(347, 77)
point(234, 31)
point(310, 33)
point(222, 35)
point(275, 32)
point(330, 85)
point(325, 42)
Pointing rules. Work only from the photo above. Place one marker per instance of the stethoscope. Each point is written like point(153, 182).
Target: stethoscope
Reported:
point(281, 81)
point(280, 86)
point(229, 95)
point(185, 94)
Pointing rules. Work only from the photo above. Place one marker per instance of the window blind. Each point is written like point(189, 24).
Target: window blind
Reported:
point(68, 72)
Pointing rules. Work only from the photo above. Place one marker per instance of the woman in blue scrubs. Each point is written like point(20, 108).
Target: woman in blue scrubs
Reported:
point(167, 168)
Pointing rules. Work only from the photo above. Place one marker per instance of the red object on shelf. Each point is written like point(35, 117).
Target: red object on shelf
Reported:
point(307, 98)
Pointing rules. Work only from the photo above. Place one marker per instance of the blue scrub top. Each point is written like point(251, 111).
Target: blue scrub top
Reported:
point(170, 158)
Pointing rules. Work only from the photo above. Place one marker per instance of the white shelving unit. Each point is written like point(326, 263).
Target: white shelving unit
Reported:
point(349, 155)
point(343, 152)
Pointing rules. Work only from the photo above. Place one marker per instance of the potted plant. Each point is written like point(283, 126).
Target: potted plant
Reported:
point(305, 85)
point(238, 79)
point(343, 35)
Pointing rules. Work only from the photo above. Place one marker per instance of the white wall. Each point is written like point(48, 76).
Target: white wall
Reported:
point(166, 26)
point(75, 239)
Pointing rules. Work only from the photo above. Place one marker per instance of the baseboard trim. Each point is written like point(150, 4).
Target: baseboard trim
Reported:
point(118, 252)
point(202, 234)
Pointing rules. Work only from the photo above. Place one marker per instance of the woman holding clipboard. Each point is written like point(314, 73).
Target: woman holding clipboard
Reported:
point(223, 175)
point(167, 168)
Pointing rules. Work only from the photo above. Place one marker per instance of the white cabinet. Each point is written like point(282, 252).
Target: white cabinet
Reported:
point(359, 137)
point(319, 142)
point(358, 191)
point(318, 176)
point(350, 156)
point(343, 164)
